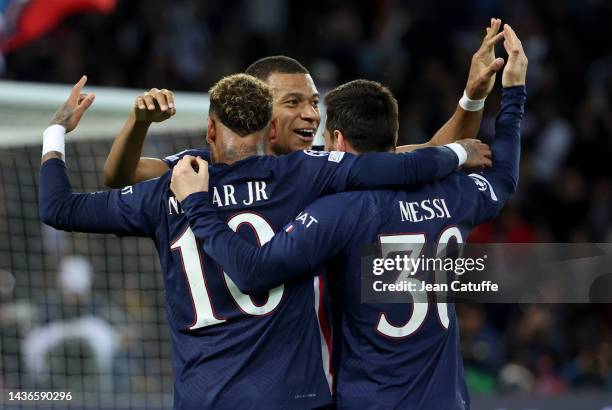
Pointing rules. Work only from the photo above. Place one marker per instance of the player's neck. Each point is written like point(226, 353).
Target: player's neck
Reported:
point(232, 154)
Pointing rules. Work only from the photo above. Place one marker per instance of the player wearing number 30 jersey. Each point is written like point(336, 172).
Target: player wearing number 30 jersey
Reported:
point(390, 355)
point(232, 350)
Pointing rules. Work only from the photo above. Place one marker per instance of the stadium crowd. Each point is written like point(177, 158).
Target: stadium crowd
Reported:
point(565, 192)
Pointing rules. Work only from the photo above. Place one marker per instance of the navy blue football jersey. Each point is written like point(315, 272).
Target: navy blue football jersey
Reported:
point(232, 349)
point(390, 355)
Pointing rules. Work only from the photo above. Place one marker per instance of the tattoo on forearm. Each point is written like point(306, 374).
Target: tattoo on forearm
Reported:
point(62, 116)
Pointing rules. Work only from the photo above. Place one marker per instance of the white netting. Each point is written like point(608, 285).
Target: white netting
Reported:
point(79, 313)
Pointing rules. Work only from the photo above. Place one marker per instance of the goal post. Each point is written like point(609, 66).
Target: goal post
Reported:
point(81, 313)
point(26, 108)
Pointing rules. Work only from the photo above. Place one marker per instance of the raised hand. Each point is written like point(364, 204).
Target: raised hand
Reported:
point(154, 106)
point(479, 154)
point(189, 175)
point(515, 71)
point(70, 112)
point(481, 77)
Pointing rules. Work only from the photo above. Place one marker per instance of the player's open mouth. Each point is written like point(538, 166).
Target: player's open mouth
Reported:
point(305, 134)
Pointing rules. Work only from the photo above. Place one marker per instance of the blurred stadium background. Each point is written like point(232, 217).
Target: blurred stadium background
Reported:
point(85, 313)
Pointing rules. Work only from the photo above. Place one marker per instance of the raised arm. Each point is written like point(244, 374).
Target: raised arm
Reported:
point(114, 211)
point(495, 186)
point(124, 165)
point(465, 121)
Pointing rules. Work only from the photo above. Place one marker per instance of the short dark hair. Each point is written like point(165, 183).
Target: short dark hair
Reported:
point(366, 114)
point(242, 103)
point(266, 66)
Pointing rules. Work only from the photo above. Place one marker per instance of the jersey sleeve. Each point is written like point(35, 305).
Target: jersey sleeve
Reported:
point(495, 186)
point(334, 172)
point(127, 211)
point(422, 166)
point(316, 234)
point(171, 160)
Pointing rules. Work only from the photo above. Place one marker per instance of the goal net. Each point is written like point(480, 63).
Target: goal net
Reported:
point(80, 313)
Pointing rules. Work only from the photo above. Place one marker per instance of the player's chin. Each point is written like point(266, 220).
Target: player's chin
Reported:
point(300, 142)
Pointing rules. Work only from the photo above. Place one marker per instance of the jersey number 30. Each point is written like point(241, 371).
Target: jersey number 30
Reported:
point(414, 243)
point(191, 257)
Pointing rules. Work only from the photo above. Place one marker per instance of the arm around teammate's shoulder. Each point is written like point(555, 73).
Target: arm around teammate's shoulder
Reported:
point(334, 172)
point(421, 166)
point(252, 268)
point(316, 234)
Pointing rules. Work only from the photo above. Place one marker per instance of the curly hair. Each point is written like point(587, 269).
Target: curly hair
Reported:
point(242, 103)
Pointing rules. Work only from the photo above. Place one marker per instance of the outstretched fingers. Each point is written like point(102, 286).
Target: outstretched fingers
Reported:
point(512, 44)
point(83, 103)
point(490, 43)
point(76, 90)
point(492, 30)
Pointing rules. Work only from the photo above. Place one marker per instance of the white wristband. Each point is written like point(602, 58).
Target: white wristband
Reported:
point(471, 105)
point(460, 151)
point(54, 139)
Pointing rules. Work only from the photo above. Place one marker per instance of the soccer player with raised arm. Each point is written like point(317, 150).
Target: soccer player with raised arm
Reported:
point(231, 349)
point(389, 355)
point(295, 112)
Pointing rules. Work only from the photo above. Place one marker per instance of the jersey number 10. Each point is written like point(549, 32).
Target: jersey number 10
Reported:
point(190, 254)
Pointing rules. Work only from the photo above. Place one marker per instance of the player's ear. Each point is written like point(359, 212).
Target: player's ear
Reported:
point(339, 141)
point(272, 132)
point(211, 132)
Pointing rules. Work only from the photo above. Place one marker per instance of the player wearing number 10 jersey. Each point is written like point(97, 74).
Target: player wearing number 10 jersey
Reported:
point(232, 350)
point(390, 355)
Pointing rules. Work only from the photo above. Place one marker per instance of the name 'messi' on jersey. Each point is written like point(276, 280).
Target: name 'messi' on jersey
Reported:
point(226, 196)
point(423, 210)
